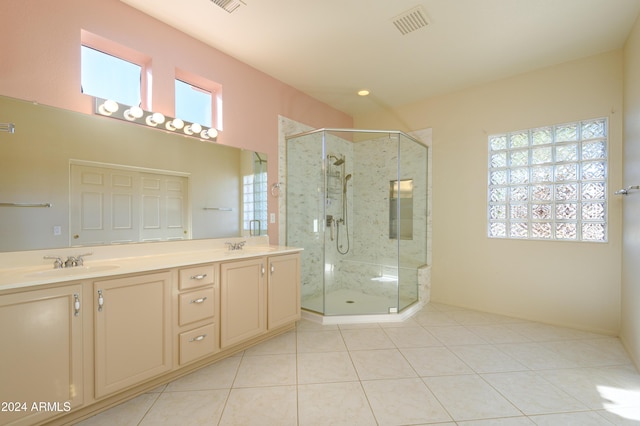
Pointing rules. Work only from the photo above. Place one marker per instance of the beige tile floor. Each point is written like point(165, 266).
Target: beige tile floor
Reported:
point(445, 365)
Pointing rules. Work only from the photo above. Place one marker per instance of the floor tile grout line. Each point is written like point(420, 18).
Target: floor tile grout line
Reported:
point(151, 406)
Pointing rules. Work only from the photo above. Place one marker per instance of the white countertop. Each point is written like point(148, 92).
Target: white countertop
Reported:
point(26, 269)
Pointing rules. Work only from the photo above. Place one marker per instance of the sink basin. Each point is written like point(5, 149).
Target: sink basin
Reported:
point(76, 270)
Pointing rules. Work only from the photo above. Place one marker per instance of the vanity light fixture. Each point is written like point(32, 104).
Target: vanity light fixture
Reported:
point(135, 114)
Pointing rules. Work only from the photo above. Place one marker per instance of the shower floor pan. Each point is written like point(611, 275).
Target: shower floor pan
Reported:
point(352, 307)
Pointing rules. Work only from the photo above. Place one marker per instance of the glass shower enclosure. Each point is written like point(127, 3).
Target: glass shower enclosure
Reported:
point(356, 201)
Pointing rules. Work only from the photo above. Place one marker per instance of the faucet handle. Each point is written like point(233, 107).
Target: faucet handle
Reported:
point(57, 264)
point(80, 258)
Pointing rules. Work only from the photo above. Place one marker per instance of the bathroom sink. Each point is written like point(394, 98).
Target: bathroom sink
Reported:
point(76, 270)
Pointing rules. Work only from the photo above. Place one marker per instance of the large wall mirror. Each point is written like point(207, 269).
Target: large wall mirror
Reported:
point(71, 179)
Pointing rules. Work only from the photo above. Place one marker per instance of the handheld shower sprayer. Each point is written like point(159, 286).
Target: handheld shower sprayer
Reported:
point(346, 179)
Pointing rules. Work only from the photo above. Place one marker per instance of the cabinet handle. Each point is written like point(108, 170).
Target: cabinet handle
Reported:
point(273, 269)
point(200, 300)
point(198, 277)
point(100, 301)
point(198, 338)
point(262, 269)
point(76, 305)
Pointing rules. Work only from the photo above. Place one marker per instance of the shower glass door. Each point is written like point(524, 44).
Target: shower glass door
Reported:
point(305, 187)
point(356, 202)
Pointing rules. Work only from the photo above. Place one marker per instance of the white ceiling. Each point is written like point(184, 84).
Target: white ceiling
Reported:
point(332, 48)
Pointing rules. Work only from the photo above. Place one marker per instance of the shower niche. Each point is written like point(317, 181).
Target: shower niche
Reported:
point(356, 201)
point(401, 209)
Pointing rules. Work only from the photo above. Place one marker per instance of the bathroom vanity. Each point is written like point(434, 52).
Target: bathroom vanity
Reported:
point(80, 339)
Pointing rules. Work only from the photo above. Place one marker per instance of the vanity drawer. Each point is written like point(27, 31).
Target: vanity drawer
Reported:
point(197, 276)
point(196, 305)
point(197, 343)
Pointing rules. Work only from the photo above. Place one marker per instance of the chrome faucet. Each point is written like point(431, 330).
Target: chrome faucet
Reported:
point(70, 262)
point(235, 246)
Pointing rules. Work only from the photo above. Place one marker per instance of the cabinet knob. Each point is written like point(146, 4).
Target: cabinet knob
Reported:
point(200, 300)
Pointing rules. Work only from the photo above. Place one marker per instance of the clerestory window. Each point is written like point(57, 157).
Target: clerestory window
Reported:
point(110, 77)
point(193, 103)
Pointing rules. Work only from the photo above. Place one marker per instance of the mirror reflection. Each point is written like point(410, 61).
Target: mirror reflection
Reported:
point(71, 179)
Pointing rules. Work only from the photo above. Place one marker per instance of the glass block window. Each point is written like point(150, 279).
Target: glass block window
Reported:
point(255, 203)
point(549, 183)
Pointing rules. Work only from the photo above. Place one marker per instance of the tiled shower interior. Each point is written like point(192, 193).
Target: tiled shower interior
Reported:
point(350, 195)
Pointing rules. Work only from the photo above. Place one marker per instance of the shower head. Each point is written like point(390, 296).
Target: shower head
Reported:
point(338, 162)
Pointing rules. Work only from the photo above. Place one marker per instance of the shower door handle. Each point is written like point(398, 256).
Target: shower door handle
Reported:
point(330, 223)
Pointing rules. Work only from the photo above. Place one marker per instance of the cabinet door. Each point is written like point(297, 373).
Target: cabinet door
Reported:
point(283, 290)
point(41, 356)
point(242, 301)
point(132, 330)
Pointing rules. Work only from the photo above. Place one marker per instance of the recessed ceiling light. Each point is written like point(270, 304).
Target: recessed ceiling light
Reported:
point(363, 92)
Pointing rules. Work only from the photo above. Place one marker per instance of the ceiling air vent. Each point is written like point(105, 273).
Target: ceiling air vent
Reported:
point(411, 20)
point(229, 5)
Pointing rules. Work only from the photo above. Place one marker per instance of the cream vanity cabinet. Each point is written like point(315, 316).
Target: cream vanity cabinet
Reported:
point(87, 344)
point(243, 297)
point(257, 295)
point(283, 296)
point(132, 330)
point(41, 360)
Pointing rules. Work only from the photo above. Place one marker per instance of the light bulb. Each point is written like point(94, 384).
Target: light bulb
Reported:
point(174, 124)
point(209, 133)
point(108, 107)
point(192, 128)
point(155, 119)
point(133, 113)
point(177, 123)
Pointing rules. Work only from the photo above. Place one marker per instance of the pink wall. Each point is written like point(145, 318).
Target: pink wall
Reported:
point(40, 48)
